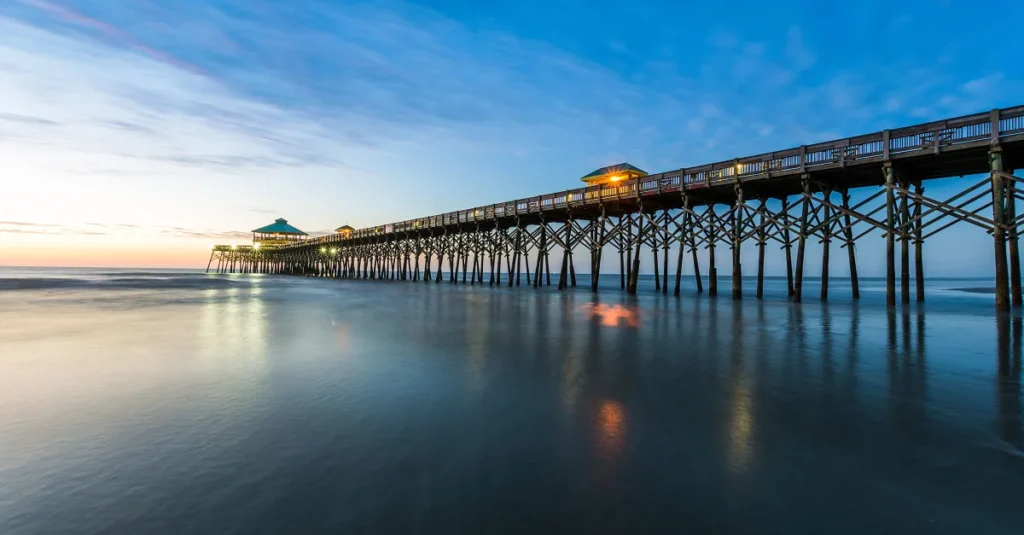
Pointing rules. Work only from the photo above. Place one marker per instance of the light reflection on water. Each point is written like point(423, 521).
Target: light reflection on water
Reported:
point(282, 404)
point(615, 315)
point(611, 430)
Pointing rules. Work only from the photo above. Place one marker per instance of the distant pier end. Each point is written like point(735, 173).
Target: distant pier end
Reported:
point(236, 258)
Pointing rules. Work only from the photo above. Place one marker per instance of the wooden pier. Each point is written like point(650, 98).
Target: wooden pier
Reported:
point(725, 204)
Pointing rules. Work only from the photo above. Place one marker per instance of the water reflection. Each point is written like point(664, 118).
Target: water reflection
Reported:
point(741, 429)
point(1009, 383)
point(482, 407)
point(233, 322)
point(614, 315)
point(741, 413)
point(611, 430)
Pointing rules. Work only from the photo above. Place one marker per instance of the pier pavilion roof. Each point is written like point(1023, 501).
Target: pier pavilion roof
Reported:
point(613, 173)
point(280, 226)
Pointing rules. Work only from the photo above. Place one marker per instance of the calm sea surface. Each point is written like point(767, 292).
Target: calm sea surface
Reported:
point(174, 402)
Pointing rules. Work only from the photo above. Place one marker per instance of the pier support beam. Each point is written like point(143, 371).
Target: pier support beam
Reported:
point(654, 254)
point(918, 243)
point(629, 251)
point(798, 282)
point(848, 234)
point(904, 242)
point(737, 218)
point(634, 270)
point(712, 237)
point(679, 260)
point(890, 237)
point(665, 244)
point(596, 251)
point(688, 227)
point(998, 231)
point(761, 242)
point(1017, 299)
point(826, 242)
point(788, 246)
point(563, 275)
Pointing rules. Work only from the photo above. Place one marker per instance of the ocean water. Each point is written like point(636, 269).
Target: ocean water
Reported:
point(179, 402)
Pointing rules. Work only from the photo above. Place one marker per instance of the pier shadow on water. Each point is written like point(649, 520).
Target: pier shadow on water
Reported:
point(274, 404)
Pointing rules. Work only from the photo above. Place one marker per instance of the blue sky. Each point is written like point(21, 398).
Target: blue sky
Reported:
point(125, 124)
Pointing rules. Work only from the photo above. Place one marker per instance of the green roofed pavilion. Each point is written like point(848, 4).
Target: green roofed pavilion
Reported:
point(277, 233)
point(613, 173)
point(280, 226)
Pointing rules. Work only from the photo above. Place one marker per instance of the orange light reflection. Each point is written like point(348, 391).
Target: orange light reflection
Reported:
point(614, 315)
point(611, 429)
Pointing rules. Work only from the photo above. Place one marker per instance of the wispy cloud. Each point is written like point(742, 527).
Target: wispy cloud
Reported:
point(25, 227)
point(25, 119)
point(119, 229)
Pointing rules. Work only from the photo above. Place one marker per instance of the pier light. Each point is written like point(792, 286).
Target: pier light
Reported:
point(323, 250)
point(613, 174)
point(233, 246)
point(334, 250)
point(256, 245)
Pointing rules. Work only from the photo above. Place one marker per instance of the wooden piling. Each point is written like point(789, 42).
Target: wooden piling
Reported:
point(547, 263)
point(825, 242)
point(679, 263)
point(629, 250)
point(688, 227)
point(1016, 297)
point(788, 246)
point(654, 255)
point(665, 243)
point(918, 254)
point(712, 238)
point(998, 233)
point(568, 243)
point(890, 237)
point(634, 272)
point(563, 274)
point(904, 241)
point(737, 238)
point(848, 234)
point(596, 281)
point(798, 278)
point(761, 242)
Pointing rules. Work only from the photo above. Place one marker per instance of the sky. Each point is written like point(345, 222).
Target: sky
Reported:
point(138, 132)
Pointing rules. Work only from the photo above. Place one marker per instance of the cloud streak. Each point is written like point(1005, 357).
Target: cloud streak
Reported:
point(118, 230)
